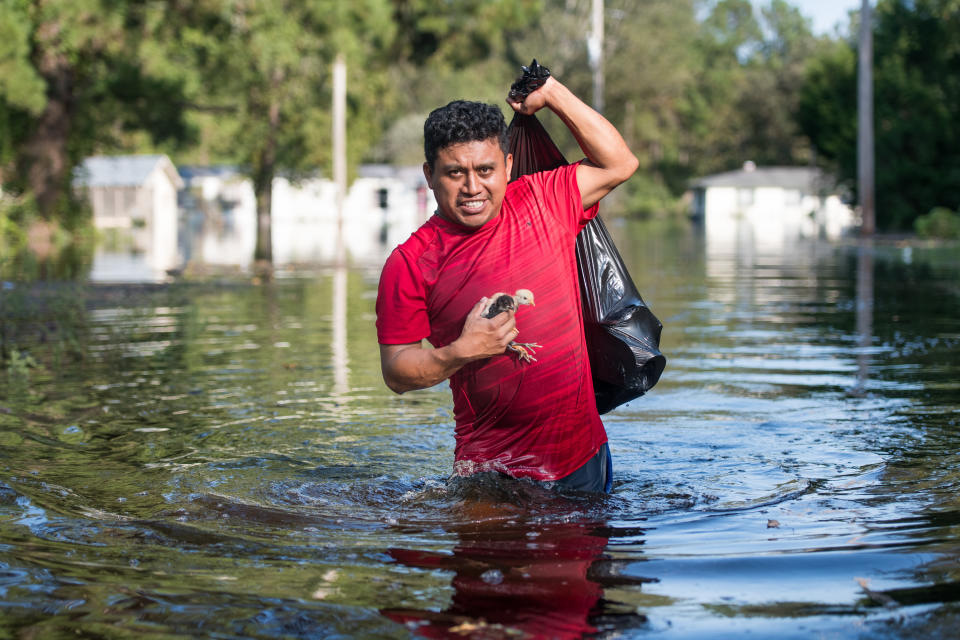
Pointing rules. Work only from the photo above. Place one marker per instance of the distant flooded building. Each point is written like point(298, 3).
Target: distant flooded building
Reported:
point(383, 206)
point(218, 216)
point(155, 218)
point(769, 207)
point(398, 201)
point(134, 202)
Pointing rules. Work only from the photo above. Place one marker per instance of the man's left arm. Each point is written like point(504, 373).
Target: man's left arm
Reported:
point(609, 162)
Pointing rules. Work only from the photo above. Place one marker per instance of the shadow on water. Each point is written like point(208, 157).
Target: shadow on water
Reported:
point(223, 460)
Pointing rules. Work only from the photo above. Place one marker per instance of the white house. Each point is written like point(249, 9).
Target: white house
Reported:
point(382, 207)
point(218, 216)
point(397, 200)
point(155, 218)
point(769, 207)
point(134, 200)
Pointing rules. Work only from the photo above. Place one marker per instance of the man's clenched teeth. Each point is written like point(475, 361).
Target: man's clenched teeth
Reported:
point(472, 204)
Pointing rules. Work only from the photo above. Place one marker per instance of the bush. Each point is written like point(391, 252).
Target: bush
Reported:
point(645, 196)
point(939, 223)
point(14, 212)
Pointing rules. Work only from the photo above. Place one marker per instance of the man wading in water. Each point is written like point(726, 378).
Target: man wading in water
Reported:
point(525, 417)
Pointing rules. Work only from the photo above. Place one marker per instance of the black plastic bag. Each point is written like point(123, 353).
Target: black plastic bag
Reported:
point(623, 335)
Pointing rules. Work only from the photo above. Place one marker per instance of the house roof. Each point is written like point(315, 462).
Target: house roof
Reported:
point(123, 171)
point(806, 179)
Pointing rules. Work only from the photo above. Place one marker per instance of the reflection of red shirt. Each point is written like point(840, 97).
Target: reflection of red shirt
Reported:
point(535, 419)
point(535, 582)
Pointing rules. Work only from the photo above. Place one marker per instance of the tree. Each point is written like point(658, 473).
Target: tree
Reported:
point(446, 50)
point(272, 67)
point(457, 33)
point(74, 79)
point(650, 68)
point(916, 109)
point(455, 49)
point(21, 87)
point(827, 112)
point(769, 98)
point(647, 64)
point(744, 103)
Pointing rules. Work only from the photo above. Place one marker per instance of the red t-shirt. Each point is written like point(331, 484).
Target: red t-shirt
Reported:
point(536, 419)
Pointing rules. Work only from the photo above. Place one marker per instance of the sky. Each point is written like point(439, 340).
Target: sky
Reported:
point(825, 14)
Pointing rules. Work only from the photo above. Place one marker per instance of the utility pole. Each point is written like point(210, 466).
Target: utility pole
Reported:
point(595, 53)
point(865, 163)
point(340, 149)
point(338, 340)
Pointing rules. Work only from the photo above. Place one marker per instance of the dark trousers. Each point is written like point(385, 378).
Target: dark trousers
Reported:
point(595, 475)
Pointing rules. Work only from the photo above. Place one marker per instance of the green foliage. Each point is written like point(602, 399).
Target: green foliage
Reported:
point(916, 108)
point(41, 327)
point(76, 80)
point(745, 100)
point(14, 211)
point(828, 107)
point(456, 33)
point(270, 64)
point(19, 364)
point(690, 97)
point(645, 195)
point(940, 222)
point(769, 101)
point(445, 50)
point(34, 249)
point(20, 85)
point(731, 26)
point(695, 87)
point(648, 71)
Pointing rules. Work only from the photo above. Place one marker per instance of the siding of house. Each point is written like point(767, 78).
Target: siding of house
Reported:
point(163, 220)
point(160, 220)
point(382, 208)
point(768, 209)
point(135, 199)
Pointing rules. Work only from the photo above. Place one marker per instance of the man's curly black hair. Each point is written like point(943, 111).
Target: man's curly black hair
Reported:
point(462, 121)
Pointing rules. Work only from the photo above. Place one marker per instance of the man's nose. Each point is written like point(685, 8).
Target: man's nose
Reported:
point(470, 182)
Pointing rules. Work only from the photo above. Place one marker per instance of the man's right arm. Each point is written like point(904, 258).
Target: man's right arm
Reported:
point(406, 367)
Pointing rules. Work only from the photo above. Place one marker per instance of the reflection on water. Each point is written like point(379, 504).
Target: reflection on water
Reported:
point(224, 460)
point(864, 311)
point(338, 342)
point(510, 577)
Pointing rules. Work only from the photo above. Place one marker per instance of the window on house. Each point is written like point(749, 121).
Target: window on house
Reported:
point(745, 197)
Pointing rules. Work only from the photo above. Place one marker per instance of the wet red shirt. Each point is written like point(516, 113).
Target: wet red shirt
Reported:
point(536, 419)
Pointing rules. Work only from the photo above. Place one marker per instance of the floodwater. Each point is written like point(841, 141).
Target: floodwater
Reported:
point(223, 460)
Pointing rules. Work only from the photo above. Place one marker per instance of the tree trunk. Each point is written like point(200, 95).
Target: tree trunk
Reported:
point(263, 181)
point(263, 191)
point(44, 159)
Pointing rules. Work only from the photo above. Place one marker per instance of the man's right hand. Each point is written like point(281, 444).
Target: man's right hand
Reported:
point(485, 337)
point(407, 367)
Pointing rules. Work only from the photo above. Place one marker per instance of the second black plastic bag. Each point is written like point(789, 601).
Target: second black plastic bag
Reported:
point(623, 335)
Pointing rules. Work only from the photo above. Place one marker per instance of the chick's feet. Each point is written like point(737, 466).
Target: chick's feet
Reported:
point(524, 350)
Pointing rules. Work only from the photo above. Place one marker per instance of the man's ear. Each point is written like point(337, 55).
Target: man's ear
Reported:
point(428, 174)
point(508, 160)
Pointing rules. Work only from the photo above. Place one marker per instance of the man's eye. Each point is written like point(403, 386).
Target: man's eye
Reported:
point(485, 171)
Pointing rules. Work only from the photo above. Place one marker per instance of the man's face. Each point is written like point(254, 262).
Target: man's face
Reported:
point(469, 180)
